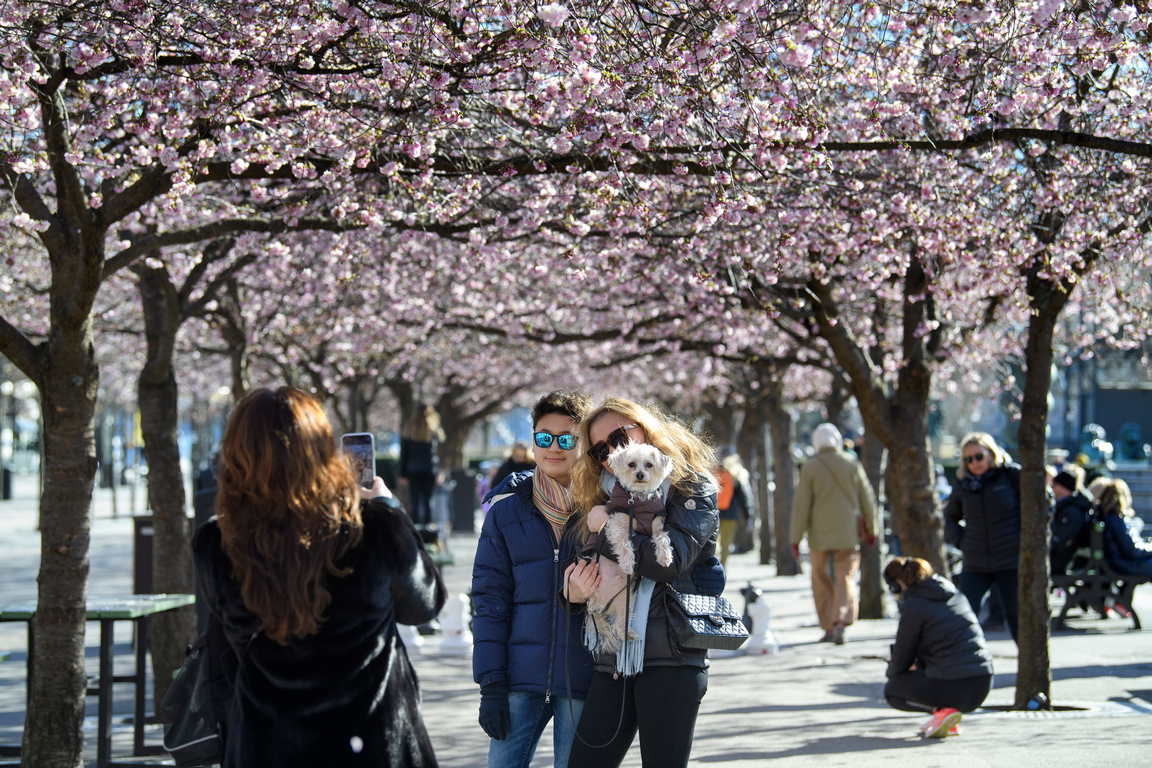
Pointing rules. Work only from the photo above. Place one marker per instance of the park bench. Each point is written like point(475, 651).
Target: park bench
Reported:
point(1095, 585)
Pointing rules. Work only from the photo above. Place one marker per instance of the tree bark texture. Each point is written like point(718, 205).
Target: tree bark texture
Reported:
point(171, 545)
point(52, 728)
point(871, 584)
point(752, 446)
point(898, 419)
point(780, 427)
point(1034, 674)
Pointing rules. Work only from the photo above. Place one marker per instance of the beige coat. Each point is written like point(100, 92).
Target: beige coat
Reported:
point(832, 492)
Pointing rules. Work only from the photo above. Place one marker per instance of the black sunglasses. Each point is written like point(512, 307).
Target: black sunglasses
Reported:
point(544, 440)
point(617, 438)
point(974, 457)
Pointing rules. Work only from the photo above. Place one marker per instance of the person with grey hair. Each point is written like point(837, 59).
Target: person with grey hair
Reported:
point(836, 509)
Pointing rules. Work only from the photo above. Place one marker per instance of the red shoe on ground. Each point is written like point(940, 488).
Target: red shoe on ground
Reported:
point(940, 723)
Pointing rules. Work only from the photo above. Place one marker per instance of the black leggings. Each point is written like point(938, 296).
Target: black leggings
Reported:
point(420, 488)
point(660, 702)
point(914, 691)
point(976, 585)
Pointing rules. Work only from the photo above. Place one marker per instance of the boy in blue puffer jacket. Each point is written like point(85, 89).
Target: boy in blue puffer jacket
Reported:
point(529, 659)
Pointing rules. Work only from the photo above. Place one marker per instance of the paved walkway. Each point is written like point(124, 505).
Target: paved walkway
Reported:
point(810, 704)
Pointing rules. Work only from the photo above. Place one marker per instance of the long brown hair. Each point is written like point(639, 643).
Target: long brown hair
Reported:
point(423, 424)
point(287, 507)
point(692, 458)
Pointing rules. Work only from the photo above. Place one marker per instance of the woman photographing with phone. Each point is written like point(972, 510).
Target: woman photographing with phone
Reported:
point(662, 700)
point(309, 582)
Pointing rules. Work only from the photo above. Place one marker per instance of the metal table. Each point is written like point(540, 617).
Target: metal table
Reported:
point(108, 610)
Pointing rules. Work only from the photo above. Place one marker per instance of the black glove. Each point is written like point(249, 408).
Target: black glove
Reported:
point(709, 577)
point(495, 715)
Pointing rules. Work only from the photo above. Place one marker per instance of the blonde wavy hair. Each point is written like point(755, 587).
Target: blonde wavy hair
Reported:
point(1115, 498)
point(988, 443)
point(692, 457)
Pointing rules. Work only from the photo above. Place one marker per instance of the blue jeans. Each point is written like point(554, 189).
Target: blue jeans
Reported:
point(530, 713)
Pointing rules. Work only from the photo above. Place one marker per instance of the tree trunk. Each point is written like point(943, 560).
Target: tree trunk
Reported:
point(171, 545)
point(1047, 301)
point(872, 603)
point(784, 473)
point(898, 420)
point(52, 729)
point(916, 517)
point(751, 444)
point(234, 334)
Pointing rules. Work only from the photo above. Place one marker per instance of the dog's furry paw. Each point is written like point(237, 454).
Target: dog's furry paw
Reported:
point(661, 543)
point(627, 557)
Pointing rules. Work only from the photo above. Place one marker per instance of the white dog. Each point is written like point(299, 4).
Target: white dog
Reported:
point(640, 470)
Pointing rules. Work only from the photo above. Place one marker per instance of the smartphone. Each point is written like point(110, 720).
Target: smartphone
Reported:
point(361, 447)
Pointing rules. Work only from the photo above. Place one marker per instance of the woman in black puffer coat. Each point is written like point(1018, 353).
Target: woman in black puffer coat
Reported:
point(982, 519)
point(939, 661)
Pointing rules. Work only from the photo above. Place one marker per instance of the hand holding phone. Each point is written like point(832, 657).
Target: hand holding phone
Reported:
point(361, 448)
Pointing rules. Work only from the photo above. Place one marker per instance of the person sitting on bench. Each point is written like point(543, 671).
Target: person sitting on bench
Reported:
point(1122, 549)
point(1070, 521)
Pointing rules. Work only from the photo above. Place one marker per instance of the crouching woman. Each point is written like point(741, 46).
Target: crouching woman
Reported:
point(940, 663)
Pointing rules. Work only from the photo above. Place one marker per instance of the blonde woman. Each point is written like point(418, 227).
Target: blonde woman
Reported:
point(982, 519)
point(1123, 550)
point(660, 704)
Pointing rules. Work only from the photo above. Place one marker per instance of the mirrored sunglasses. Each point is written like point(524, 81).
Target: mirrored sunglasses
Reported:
point(544, 440)
point(617, 438)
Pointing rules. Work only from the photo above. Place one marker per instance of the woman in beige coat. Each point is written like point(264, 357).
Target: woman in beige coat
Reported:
point(835, 508)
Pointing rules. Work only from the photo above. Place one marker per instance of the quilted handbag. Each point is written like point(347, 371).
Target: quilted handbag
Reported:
point(705, 621)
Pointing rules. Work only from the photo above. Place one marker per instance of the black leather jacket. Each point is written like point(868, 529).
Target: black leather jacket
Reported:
point(692, 521)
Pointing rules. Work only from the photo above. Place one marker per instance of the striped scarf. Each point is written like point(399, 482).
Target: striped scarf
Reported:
point(553, 500)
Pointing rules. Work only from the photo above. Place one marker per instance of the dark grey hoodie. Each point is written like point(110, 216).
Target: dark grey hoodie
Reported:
point(939, 633)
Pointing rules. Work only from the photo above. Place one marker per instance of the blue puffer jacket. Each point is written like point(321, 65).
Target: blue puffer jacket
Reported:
point(521, 633)
point(1122, 550)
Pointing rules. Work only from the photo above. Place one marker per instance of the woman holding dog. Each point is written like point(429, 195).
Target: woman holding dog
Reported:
point(661, 701)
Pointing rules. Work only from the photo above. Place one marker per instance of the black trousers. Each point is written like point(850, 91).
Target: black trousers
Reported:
point(420, 488)
point(976, 585)
point(661, 703)
point(914, 691)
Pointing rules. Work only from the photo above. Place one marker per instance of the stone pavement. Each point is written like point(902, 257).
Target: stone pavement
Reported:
point(810, 704)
